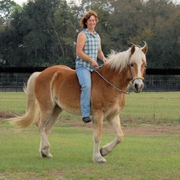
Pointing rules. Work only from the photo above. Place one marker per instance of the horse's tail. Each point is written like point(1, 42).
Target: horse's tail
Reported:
point(32, 109)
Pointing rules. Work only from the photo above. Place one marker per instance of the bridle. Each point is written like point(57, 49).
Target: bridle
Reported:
point(136, 77)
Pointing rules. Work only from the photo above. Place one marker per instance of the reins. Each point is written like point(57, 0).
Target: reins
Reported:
point(120, 90)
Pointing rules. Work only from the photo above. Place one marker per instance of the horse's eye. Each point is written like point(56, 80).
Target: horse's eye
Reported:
point(132, 65)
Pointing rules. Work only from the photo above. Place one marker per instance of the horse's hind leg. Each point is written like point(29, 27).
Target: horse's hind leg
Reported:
point(47, 122)
point(44, 144)
point(50, 123)
point(115, 122)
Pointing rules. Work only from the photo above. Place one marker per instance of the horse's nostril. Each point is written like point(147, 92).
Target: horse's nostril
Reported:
point(136, 86)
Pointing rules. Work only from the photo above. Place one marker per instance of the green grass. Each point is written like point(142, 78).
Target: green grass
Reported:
point(153, 107)
point(149, 107)
point(137, 157)
point(13, 102)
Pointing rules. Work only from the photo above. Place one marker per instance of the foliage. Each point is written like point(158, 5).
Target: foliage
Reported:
point(43, 33)
point(6, 9)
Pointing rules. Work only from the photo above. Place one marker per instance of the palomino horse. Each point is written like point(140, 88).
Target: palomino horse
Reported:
point(56, 89)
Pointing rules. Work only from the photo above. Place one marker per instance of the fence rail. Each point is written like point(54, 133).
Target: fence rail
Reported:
point(14, 78)
point(149, 71)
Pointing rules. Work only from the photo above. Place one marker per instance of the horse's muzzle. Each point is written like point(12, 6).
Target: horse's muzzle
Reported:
point(138, 85)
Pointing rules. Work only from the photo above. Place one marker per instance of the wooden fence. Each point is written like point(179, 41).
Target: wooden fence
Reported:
point(160, 106)
point(14, 78)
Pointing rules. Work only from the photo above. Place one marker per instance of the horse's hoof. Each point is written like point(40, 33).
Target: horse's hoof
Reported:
point(43, 155)
point(100, 159)
point(101, 152)
point(104, 152)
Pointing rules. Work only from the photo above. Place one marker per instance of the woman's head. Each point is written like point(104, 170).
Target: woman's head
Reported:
point(86, 17)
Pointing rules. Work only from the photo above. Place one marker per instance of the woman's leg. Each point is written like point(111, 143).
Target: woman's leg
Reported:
point(84, 77)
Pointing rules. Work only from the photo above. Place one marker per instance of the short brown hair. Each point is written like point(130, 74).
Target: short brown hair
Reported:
point(86, 17)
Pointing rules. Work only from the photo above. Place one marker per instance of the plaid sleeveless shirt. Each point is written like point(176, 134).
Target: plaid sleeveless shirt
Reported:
point(90, 48)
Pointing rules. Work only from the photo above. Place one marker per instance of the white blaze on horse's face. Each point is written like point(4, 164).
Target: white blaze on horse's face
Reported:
point(137, 67)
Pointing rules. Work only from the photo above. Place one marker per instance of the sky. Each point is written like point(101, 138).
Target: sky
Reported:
point(20, 2)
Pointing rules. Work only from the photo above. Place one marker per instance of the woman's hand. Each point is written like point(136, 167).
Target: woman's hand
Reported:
point(94, 64)
point(105, 60)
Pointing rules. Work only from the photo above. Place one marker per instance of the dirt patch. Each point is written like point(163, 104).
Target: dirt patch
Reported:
point(6, 114)
point(131, 129)
point(151, 130)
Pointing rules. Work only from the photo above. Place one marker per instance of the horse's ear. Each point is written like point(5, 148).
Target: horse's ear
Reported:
point(145, 49)
point(132, 49)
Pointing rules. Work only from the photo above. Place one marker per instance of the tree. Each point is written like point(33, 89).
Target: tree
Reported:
point(43, 32)
point(160, 34)
point(6, 9)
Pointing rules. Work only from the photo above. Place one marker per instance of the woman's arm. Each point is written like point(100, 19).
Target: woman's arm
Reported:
point(100, 53)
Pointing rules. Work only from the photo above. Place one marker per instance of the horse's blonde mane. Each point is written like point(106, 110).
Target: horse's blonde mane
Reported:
point(118, 61)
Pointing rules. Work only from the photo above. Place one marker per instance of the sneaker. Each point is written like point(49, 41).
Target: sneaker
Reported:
point(86, 119)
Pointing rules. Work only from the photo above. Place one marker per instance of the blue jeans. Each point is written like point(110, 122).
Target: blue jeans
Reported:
point(84, 77)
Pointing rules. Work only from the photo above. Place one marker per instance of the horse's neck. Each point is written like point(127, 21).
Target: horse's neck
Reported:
point(119, 79)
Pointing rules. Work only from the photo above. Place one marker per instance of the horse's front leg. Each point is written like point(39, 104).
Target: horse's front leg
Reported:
point(115, 122)
point(98, 123)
